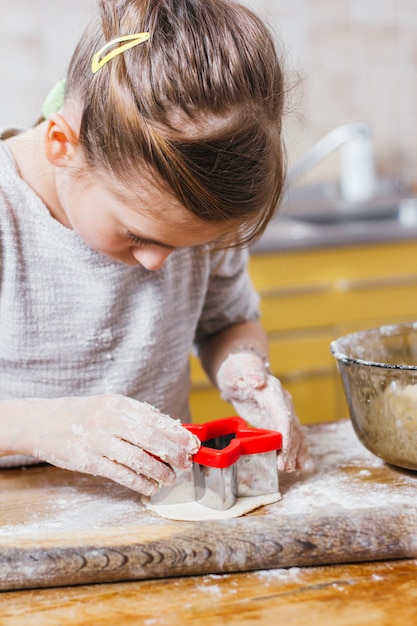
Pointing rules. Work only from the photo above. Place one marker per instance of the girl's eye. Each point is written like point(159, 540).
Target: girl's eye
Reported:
point(137, 240)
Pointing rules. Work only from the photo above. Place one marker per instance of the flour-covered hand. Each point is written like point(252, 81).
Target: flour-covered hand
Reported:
point(111, 435)
point(261, 400)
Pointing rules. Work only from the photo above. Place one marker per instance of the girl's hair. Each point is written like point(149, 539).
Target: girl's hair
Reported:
point(198, 107)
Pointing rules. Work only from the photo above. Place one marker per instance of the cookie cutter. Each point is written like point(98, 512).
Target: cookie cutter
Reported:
point(233, 461)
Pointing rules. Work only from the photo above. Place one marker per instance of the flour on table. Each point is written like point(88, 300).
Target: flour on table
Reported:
point(193, 511)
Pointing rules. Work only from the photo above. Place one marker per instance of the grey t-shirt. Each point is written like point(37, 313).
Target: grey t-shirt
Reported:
point(75, 322)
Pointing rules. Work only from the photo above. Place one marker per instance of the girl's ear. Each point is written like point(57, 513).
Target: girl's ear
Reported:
point(61, 141)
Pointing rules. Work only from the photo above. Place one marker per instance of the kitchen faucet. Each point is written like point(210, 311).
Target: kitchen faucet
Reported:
point(357, 174)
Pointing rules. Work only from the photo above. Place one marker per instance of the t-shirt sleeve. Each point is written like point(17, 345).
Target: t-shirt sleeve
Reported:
point(231, 297)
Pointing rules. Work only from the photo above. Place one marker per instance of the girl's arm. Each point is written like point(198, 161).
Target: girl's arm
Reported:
point(236, 360)
point(111, 435)
point(246, 336)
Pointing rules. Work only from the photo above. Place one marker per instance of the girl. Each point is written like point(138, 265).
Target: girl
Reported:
point(125, 219)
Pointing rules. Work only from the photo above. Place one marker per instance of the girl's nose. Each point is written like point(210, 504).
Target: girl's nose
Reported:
point(151, 257)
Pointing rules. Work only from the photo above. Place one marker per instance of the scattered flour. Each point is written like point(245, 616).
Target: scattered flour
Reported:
point(339, 474)
point(71, 507)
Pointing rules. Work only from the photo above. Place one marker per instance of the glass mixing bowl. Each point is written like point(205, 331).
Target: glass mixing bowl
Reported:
point(378, 368)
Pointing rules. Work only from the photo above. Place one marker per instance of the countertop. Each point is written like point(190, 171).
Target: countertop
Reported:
point(286, 234)
point(315, 217)
point(363, 594)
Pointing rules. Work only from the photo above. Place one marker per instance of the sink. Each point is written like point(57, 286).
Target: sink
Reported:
point(322, 205)
point(368, 213)
point(316, 216)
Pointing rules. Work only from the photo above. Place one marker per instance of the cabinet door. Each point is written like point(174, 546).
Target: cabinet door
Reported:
point(303, 363)
point(322, 288)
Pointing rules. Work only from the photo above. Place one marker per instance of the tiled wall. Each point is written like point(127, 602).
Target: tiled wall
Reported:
point(349, 59)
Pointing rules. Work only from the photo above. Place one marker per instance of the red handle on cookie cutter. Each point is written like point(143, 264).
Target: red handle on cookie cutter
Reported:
point(246, 441)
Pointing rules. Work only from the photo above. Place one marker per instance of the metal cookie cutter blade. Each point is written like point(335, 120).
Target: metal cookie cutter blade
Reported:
point(181, 491)
point(257, 470)
point(215, 471)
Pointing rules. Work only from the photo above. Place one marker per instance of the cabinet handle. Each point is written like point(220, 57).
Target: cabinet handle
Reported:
point(307, 374)
point(341, 285)
point(299, 290)
point(404, 280)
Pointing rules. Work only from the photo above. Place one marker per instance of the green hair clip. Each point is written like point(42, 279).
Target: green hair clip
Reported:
point(54, 99)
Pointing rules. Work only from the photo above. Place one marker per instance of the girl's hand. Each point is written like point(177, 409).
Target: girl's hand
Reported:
point(260, 399)
point(127, 441)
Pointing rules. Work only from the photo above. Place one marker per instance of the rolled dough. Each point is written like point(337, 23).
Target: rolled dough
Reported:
point(193, 511)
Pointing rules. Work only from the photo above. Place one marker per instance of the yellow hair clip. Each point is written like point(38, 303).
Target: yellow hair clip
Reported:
point(132, 40)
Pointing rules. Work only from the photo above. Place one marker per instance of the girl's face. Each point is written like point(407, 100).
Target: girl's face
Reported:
point(140, 224)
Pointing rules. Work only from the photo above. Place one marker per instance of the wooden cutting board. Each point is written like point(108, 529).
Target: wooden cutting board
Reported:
point(64, 528)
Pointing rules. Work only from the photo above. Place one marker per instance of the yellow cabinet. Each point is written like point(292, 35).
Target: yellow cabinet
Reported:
point(308, 298)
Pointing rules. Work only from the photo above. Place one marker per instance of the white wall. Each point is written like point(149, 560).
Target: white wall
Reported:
point(37, 38)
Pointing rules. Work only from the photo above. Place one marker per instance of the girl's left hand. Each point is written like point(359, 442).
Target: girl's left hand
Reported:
point(260, 399)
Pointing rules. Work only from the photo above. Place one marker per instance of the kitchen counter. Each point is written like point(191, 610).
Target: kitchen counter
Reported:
point(315, 217)
point(365, 594)
point(289, 234)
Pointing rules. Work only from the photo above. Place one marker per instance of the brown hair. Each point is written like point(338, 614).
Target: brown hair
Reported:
point(199, 105)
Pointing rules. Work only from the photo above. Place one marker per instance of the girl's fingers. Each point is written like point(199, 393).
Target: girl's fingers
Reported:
point(146, 427)
point(126, 477)
point(139, 461)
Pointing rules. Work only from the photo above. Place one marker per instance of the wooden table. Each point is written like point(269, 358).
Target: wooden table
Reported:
point(368, 594)
point(342, 550)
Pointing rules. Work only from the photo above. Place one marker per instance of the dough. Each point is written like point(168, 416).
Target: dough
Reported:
point(193, 511)
point(389, 425)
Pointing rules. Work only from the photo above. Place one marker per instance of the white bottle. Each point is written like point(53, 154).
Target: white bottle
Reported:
point(357, 170)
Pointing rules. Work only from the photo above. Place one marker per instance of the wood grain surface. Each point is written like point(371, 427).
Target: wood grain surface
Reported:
point(61, 528)
point(368, 594)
